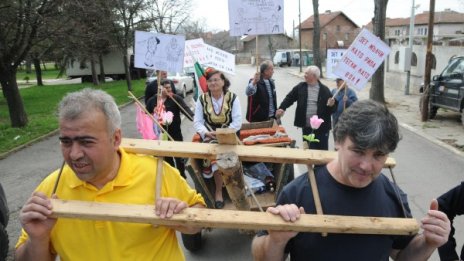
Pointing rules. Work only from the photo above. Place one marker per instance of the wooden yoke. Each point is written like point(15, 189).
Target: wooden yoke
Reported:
point(231, 169)
point(245, 153)
point(233, 219)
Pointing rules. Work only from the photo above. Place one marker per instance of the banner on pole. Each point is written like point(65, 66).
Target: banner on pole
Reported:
point(159, 51)
point(362, 59)
point(251, 17)
point(195, 51)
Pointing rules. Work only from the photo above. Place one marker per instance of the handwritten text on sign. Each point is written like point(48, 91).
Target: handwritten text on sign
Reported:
point(362, 59)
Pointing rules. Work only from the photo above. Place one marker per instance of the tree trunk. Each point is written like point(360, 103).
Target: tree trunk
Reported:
point(94, 71)
point(38, 71)
point(126, 70)
point(102, 68)
point(18, 116)
point(28, 66)
point(317, 37)
point(376, 92)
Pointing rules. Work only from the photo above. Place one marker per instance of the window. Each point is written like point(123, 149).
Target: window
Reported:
point(397, 57)
point(413, 59)
point(347, 36)
point(338, 28)
point(324, 36)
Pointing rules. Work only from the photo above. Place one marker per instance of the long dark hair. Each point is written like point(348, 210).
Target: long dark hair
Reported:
point(209, 72)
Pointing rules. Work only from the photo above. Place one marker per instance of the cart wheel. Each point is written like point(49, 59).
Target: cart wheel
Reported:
point(192, 242)
point(3, 243)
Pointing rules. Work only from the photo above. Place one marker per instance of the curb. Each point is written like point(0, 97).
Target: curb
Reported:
point(43, 137)
point(432, 139)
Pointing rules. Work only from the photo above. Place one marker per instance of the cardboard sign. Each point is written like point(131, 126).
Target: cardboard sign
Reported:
point(220, 60)
point(251, 17)
point(333, 56)
point(159, 51)
point(195, 51)
point(362, 59)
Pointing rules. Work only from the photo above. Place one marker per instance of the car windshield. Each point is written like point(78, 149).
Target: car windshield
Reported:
point(455, 67)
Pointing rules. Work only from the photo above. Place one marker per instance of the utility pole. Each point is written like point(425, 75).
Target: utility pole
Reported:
point(411, 40)
point(299, 35)
point(428, 64)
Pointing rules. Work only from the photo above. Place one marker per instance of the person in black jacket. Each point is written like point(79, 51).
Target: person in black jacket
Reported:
point(452, 204)
point(172, 103)
point(261, 92)
point(152, 87)
point(312, 98)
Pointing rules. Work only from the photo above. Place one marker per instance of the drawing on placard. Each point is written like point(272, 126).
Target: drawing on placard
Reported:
point(152, 45)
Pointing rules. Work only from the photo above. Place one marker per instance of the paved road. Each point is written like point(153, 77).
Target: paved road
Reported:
point(424, 171)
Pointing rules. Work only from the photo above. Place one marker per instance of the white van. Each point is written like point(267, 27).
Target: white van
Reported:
point(291, 57)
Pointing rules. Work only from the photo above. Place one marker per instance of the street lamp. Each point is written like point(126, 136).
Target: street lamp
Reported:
point(411, 40)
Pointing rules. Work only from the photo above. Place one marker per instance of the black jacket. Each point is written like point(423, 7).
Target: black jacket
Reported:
point(152, 89)
point(299, 93)
point(258, 103)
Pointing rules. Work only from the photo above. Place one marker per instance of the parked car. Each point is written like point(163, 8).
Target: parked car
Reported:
point(183, 83)
point(4, 215)
point(447, 89)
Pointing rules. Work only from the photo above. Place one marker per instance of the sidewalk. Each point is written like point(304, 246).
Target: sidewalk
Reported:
point(445, 130)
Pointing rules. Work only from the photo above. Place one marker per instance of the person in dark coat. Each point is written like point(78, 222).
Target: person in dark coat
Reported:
point(261, 92)
point(152, 87)
point(452, 204)
point(312, 98)
point(172, 102)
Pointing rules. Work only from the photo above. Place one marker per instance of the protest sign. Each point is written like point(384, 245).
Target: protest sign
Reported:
point(362, 59)
point(159, 51)
point(333, 56)
point(251, 17)
point(220, 60)
point(195, 51)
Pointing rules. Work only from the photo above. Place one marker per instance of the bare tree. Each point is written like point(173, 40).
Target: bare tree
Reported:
point(376, 92)
point(167, 16)
point(20, 24)
point(317, 37)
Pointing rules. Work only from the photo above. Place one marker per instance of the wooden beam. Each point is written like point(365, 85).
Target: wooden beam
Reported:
point(245, 153)
point(233, 219)
point(227, 136)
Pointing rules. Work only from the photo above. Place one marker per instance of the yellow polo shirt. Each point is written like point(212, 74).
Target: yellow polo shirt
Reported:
point(74, 239)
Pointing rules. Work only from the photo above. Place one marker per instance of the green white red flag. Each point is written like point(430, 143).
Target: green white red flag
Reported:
point(200, 81)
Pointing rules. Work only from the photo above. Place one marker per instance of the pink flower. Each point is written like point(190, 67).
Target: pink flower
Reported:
point(167, 116)
point(315, 122)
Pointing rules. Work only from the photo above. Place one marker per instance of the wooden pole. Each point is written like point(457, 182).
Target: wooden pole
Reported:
point(233, 219)
point(257, 55)
point(315, 190)
point(159, 177)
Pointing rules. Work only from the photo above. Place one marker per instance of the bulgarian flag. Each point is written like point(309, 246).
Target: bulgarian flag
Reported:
point(200, 81)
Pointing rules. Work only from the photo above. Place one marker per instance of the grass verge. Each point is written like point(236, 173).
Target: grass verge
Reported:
point(41, 104)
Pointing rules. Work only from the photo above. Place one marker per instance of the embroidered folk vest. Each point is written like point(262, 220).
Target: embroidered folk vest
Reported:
point(224, 118)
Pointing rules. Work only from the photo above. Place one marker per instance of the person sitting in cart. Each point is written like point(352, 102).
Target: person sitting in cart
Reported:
point(352, 185)
point(97, 169)
point(173, 103)
point(217, 108)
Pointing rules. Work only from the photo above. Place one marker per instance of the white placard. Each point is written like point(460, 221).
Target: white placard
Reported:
point(252, 17)
point(195, 51)
point(159, 51)
point(220, 60)
point(333, 56)
point(362, 59)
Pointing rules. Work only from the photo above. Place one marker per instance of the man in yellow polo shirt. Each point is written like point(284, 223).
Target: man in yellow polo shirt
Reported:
point(98, 170)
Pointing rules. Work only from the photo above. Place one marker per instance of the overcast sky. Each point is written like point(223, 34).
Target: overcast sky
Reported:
point(361, 12)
